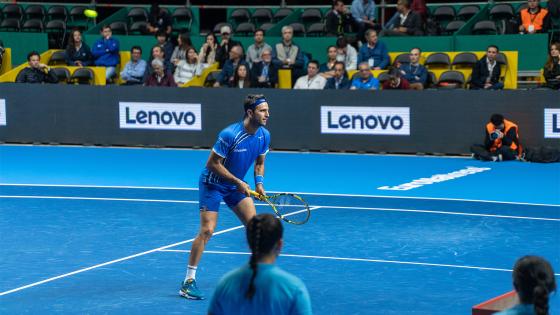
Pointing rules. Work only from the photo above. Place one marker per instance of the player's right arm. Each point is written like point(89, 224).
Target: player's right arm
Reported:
point(215, 165)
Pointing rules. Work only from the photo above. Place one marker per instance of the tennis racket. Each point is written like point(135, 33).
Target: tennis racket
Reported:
point(288, 207)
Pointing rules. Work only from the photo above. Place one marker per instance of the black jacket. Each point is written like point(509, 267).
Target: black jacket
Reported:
point(551, 74)
point(222, 53)
point(413, 24)
point(256, 71)
point(33, 75)
point(83, 54)
point(331, 84)
point(337, 24)
point(480, 73)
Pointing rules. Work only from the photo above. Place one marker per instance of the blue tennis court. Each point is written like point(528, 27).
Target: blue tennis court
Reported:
point(107, 230)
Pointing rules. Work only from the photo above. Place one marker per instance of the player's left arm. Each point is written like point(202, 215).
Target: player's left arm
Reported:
point(259, 174)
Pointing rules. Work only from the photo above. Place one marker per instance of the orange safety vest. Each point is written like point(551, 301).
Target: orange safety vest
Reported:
point(498, 142)
point(537, 20)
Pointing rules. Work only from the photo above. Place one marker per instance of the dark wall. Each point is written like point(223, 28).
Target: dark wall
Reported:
point(440, 121)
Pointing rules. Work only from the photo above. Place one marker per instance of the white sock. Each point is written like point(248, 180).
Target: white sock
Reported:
point(191, 272)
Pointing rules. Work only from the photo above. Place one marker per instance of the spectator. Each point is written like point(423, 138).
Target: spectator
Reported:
point(396, 81)
point(347, 54)
point(106, 52)
point(36, 72)
point(260, 287)
point(326, 70)
point(340, 80)
point(534, 282)
point(501, 142)
point(157, 53)
point(407, 23)
point(419, 6)
point(186, 70)
point(339, 20)
point(134, 70)
point(159, 20)
point(285, 53)
point(264, 73)
point(374, 52)
point(365, 79)
point(554, 9)
point(226, 44)
point(159, 76)
point(533, 19)
point(415, 73)
point(311, 81)
point(241, 78)
point(180, 51)
point(207, 54)
point(235, 58)
point(77, 53)
point(254, 51)
point(486, 71)
point(166, 45)
point(552, 67)
point(365, 17)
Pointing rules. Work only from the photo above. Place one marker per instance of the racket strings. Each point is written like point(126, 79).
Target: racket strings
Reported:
point(291, 208)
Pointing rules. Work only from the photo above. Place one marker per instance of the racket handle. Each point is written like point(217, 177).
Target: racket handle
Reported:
point(255, 194)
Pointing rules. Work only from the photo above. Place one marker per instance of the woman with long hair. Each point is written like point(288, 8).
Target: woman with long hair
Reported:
point(241, 77)
point(180, 51)
point(552, 67)
point(208, 50)
point(187, 69)
point(533, 279)
point(260, 287)
point(77, 52)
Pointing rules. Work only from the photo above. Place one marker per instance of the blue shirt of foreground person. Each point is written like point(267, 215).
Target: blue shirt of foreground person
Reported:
point(261, 287)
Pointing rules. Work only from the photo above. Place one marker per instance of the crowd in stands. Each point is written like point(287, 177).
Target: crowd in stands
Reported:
point(258, 64)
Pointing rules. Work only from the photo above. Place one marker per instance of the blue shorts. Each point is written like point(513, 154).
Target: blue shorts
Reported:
point(210, 196)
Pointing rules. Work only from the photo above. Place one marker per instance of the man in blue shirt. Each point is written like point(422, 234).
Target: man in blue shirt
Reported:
point(261, 287)
point(365, 80)
point(339, 81)
point(134, 70)
point(365, 16)
point(374, 52)
point(237, 148)
point(415, 73)
point(106, 52)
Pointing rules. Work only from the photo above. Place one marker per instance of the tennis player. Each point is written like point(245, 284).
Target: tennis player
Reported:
point(237, 148)
point(260, 287)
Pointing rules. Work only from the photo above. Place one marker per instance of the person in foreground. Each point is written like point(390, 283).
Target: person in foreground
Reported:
point(260, 287)
point(533, 280)
point(237, 148)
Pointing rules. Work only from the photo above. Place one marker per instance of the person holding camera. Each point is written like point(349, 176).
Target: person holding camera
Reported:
point(501, 142)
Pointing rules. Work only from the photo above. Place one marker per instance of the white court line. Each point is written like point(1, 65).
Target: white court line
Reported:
point(352, 259)
point(299, 193)
point(123, 259)
point(322, 206)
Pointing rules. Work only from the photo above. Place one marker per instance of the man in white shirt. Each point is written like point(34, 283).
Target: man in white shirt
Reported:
point(311, 81)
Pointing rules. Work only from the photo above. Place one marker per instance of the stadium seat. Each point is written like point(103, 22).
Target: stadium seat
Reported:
point(263, 15)
point(266, 26)
point(57, 13)
point(63, 74)
point(35, 12)
point(282, 13)
point(451, 79)
point(10, 25)
point(119, 28)
point(56, 31)
point(239, 16)
point(245, 28)
point(34, 25)
point(453, 27)
point(137, 14)
point(502, 11)
point(444, 14)
point(467, 12)
point(182, 19)
point(12, 11)
point(464, 60)
point(402, 58)
point(484, 28)
point(316, 29)
point(77, 18)
point(311, 15)
point(211, 78)
point(219, 26)
point(438, 60)
point(431, 82)
point(82, 76)
point(57, 58)
point(299, 29)
point(138, 28)
point(522, 6)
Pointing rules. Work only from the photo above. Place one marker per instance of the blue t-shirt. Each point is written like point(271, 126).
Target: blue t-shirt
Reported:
point(519, 309)
point(276, 292)
point(372, 83)
point(239, 150)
